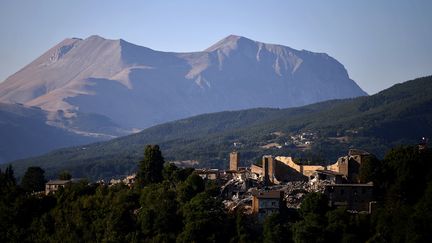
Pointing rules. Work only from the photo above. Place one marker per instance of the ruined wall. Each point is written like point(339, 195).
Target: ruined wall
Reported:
point(257, 170)
point(306, 170)
point(288, 161)
point(341, 166)
point(309, 170)
point(285, 173)
point(282, 168)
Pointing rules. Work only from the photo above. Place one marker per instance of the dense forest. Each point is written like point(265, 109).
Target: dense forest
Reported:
point(170, 204)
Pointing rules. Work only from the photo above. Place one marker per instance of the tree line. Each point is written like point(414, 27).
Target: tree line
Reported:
point(171, 204)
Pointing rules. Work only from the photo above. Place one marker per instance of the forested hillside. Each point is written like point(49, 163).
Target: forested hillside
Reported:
point(401, 114)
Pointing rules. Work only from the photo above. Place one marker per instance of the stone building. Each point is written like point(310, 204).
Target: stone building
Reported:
point(265, 203)
point(328, 175)
point(354, 197)
point(208, 174)
point(54, 185)
point(285, 169)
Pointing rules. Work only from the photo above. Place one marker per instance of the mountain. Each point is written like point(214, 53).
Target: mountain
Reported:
point(136, 87)
point(399, 115)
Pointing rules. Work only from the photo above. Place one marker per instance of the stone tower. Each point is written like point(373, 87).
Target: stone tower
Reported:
point(234, 160)
point(268, 168)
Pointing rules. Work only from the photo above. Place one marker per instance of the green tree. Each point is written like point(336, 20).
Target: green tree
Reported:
point(33, 180)
point(243, 234)
point(275, 230)
point(169, 171)
point(150, 168)
point(193, 185)
point(311, 229)
point(369, 169)
point(314, 203)
point(8, 178)
point(158, 216)
point(65, 175)
point(204, 220)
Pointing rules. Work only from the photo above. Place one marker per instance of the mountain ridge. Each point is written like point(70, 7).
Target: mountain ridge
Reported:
point(235, 73)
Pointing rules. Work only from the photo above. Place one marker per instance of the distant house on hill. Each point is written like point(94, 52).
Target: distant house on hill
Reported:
point(130, 180)
point(54, 185)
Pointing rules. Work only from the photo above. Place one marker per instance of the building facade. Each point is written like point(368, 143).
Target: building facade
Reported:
point(53, 185)
point(353, 197)
point(265, 203)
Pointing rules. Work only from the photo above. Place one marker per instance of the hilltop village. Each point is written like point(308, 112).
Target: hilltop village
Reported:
point(279, 183)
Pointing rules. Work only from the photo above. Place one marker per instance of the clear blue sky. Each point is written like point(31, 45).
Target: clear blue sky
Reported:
point(379, 42)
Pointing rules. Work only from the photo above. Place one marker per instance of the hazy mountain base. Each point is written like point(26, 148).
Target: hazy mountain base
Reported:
point(399, 115)
point(30, 131)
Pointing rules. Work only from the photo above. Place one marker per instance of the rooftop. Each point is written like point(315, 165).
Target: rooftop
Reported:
point(350, 185)
point(267, 194)
point(58, 182)
point(352, 152)
point(329, 172)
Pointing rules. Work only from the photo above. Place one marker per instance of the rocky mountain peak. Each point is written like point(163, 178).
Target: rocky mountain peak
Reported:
point(231, 42)
point(137, 87)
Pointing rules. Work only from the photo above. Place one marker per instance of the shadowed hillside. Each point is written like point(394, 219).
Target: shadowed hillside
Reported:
point(398, 115)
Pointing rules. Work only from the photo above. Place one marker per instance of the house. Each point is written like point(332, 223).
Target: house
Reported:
point(129, 180)
point(54, 185)
point(208, 174)
point(354, 197)
point(114, 182)
point(265, 203)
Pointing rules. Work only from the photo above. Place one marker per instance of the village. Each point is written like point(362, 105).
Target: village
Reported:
point(279, 183)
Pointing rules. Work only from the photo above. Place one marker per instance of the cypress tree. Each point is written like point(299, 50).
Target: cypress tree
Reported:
point(150, 168)
point(33, 180)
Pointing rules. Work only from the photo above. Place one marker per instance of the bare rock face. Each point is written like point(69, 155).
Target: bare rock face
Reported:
point(136, 87)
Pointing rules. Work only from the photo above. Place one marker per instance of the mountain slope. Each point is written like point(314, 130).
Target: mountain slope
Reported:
point(137, 87)
point(24, 133)
point(400, 114)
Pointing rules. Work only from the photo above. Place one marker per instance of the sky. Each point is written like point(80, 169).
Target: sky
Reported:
point(380, 43)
